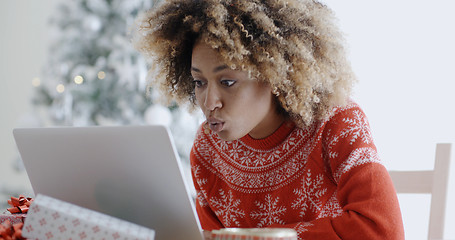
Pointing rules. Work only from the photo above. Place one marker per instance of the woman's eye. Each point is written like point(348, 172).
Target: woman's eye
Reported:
point(228, 83)
point(198, 83)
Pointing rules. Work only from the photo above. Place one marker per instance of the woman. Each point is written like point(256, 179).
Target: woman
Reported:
point(283, 145)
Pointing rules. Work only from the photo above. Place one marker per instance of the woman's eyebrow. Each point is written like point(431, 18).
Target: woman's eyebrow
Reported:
point(195, 69)
point(219, 68)
point(216, 69)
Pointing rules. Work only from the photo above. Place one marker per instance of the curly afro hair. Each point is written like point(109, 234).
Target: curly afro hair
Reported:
point(293, 45)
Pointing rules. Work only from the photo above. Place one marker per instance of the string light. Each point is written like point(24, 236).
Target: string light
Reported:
point(101, 75)
point(36, 82)
point(78, 79)
point(60, 88)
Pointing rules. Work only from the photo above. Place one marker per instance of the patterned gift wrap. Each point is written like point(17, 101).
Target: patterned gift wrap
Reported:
point(13, 218)
point(49, 218)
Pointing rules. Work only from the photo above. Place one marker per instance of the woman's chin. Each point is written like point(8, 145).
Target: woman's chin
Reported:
point(227, 136)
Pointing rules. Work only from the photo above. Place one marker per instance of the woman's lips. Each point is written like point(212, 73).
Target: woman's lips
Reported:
point(215, 125)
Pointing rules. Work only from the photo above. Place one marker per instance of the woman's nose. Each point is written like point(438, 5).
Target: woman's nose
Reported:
point(212, 97)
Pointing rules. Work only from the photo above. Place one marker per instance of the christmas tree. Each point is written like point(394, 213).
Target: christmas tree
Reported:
point(95, 77)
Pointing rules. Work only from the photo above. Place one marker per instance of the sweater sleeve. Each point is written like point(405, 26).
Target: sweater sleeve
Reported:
point(369, 209)
point(365, 194)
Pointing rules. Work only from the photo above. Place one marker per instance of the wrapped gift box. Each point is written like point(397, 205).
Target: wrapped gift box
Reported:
point(50, 218)
point(13, 218)
point(17, 211)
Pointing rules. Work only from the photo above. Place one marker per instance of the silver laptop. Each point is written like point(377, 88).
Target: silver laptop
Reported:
point(129, 172)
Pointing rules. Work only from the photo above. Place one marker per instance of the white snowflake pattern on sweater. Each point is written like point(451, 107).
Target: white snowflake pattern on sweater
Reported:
point(269, 212)
point(227, 208)
point(356, 158)
point(196, 169)
point(357, 128)
point(309, 195)
point(302, 227)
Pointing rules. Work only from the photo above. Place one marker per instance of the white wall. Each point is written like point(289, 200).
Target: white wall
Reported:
point(23, 50)
point(402, 52)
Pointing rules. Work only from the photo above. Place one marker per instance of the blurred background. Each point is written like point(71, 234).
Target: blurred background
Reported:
point(70, 63)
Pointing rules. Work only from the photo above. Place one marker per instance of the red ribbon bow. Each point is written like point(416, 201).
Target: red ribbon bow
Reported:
point(9, 231)
point(20, 204)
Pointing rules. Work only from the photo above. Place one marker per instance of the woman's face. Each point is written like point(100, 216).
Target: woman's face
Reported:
point(233, 104)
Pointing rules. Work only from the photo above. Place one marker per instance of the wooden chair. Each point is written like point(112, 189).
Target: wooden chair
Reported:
point(434, 182)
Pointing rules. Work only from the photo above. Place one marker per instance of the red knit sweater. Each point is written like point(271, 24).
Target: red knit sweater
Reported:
point(326, 181)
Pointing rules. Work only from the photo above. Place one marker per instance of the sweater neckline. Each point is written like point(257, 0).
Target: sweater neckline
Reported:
point(271, 141)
